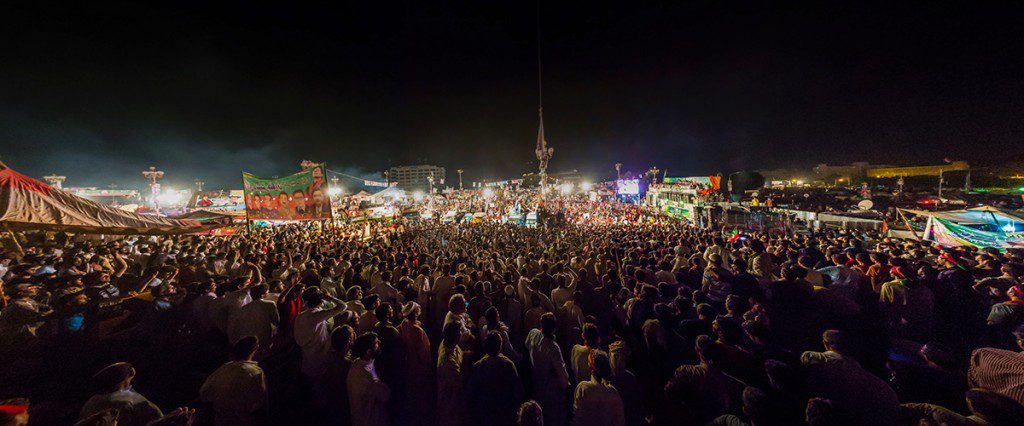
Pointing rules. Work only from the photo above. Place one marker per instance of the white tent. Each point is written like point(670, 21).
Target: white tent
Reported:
point(389, 194)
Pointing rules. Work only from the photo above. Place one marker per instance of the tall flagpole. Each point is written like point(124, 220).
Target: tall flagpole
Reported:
point(544, 153)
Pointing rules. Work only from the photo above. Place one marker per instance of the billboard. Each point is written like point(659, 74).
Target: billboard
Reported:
point(628, 187)
point(219, 201)
point(301, 196)
point(697, 184)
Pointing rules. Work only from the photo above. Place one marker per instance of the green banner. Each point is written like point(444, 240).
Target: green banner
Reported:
point(302, 196)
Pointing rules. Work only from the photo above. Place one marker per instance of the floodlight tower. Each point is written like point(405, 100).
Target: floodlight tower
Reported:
point(152, 175)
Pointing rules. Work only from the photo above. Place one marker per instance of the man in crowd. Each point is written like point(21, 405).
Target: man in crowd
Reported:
point(595, 281)
point(237, 390)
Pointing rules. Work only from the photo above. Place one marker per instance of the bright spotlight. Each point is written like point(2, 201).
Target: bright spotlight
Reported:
point(587, 186)
point(169, 196)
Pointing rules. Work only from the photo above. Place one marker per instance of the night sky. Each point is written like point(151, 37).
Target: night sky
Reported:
point(98, 91)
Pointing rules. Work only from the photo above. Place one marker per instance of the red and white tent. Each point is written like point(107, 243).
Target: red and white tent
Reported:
point(27, 204)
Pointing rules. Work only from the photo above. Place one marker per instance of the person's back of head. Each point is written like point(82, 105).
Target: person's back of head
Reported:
point(451, 334)
point(820, 412)
point(793, 272)
point(706, 312)
point(530, 414)
point(806, 262)
point(997, 409)
point(863, 258)
point(600, 366)
point(244, 348)
point(707, 350)
point(834, 340)
point(591, 335)
point(206, 287)
point(257, 291)
point(757, 406)
point(493, 343)
point(492, 317)
point(312, 297)
point(728, 332)
point(548, 324)
point(735, 305)
point(457, 303)
point(112, 377)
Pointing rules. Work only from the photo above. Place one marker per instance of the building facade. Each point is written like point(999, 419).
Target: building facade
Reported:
point(417, 178)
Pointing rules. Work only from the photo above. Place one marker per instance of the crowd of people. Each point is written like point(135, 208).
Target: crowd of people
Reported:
point(609, 315)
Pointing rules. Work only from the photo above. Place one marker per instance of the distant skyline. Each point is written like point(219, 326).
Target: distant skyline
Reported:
point(100, 91)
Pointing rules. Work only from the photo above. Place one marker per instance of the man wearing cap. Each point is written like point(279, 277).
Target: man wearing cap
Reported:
point(1000, 370)
point(114, 386)
point(417, 368)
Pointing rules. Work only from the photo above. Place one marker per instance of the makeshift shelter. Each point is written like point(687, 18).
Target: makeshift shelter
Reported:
point(207, 217)
point(391, 193)
point(983, 226)
point(27, 204)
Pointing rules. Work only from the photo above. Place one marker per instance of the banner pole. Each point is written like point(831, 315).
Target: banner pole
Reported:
point(245, 196)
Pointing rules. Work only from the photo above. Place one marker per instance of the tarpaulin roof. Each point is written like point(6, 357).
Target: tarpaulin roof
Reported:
point(28, 204)
point(209, 217)
point(973, 216)
point(390, 192)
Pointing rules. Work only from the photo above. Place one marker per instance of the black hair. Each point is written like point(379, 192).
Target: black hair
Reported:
point(600, 366)
point(363, 344)
point(493, 343)
point(340, 337)
point(548, 324)
point(244, 347)
point(382, 311)
point(451, 333)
